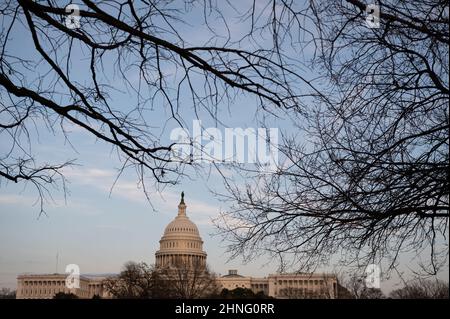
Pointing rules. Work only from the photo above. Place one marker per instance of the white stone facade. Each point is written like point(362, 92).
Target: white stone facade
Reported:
point(284, 285)
point(46, 286)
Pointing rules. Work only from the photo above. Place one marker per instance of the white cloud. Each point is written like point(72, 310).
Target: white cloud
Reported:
point(28, 200)
point(88, 175)
point(11, 199)
point(199, 211)
point(166, 201)
point(232, 222)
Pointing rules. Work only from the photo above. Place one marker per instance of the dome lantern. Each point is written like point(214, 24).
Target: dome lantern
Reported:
point(182, 206)
point(181, 243)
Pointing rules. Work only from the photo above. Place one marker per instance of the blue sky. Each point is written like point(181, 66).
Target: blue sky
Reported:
point(93, 227)
point(100, 229)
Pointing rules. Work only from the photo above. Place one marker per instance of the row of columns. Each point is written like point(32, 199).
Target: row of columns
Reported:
point(29, 283)
point(172, 259)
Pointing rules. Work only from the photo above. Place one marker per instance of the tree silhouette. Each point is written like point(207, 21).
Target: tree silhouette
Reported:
point(370, 179)
point(70, 77)
point(367, 181)
point(63, 295)
point(422, 289)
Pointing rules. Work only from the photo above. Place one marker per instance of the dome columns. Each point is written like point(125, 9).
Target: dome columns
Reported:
point(180, 260)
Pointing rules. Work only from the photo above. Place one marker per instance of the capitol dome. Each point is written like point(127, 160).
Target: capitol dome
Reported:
point(181, 243)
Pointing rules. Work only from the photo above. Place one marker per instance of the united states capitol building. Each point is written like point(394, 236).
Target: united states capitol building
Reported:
point(181, 242)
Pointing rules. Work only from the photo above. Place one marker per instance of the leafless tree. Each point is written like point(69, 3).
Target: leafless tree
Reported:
point(292, 293)
point(369, 180)
point(136, 281)
point(54, 77)
point(422, 289)
point(181, 281)
point(6, 293)
point(186, 280)
point(357, 289)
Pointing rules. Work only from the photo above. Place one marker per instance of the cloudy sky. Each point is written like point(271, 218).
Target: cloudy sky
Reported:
point(98, 226)
point(94, 225)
